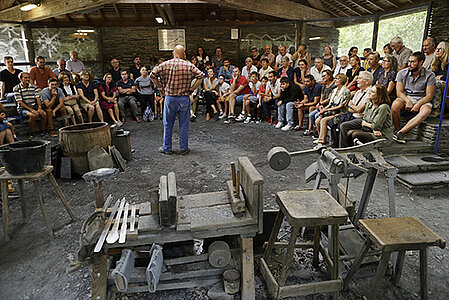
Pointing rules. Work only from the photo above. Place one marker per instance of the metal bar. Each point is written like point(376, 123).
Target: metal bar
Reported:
point(367, 189)
point(443, 104)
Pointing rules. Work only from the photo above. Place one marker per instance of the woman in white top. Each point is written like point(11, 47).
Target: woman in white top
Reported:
point(71, 98)
point(210, 85)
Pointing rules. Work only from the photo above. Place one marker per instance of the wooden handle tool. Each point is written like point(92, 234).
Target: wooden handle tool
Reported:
point(113, 235)
point(107, 225)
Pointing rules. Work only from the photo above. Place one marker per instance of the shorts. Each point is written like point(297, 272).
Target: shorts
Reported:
point(225, 99)
point(239, 98)
point(23, 112)
point(254, 99)
point(84, 104)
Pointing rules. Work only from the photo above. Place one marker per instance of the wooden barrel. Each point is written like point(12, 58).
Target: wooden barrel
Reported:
point(77, 140)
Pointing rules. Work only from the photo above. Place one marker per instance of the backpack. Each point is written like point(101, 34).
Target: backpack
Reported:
point(147, 114)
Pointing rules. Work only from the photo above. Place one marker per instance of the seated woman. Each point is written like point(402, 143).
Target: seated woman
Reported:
point(71, 98)
point(388, 50)
point(286, 70)
point(387, 76)
point(6, 130)
point(377, 122)
point(145, 88)
point(338, 100)
point(108, 99)
point(210, 85)
point(353, 73)
point(300, 72)
point(329, 58)
point(440, 62)
point(326, 91)
point(89, 96)
point(353, 51)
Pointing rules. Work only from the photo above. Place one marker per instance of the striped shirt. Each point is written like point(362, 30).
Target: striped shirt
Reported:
point(28, 95)
point(176, 76)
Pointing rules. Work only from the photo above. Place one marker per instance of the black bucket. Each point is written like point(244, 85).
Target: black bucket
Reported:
point(23, 157)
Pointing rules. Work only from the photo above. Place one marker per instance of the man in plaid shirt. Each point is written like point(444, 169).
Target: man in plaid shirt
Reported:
point(174, 79)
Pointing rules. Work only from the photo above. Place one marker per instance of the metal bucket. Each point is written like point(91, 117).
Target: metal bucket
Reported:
point(23, 157)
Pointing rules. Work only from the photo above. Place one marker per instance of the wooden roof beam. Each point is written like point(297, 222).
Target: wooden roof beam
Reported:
point(393, 3)
point(348, 8)
point(376, 5)
point(117, 11)
point(101, 14)
point(162, 14)
point(361, 7)
point(337, 9)
point(283, 9)
point(169, 12)
point(50, 8)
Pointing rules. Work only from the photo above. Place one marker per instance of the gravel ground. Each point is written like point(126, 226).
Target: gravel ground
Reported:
point(32, 265)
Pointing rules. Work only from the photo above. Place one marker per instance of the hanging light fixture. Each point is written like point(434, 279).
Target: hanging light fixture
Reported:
point(32, 4)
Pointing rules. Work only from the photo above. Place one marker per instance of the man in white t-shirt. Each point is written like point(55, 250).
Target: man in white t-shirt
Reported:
point(274, 92)
point(428, 47)
point(282, 53)
point(318, 69)
point(265, 69)
point(224, 91)
point(342, 66)
point(248, 68)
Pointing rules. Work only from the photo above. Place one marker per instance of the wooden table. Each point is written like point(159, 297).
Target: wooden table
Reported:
point(200, 216)
point(35, 178)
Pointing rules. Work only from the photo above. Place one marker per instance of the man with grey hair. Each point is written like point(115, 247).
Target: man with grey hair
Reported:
point(342, 66)
point(282, 52)
point(74, 65)
point(62, 69)
point(357, 104)
point(401, 52)
point(428, 47)
point(375, 68)
point(318, 69)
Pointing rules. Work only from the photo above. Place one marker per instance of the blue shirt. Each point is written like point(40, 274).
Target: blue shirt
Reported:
point(227, 74)
point(46, 95)
point(129, 84)
point(315, 92)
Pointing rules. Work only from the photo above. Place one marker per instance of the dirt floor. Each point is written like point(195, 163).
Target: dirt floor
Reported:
point(32, 265)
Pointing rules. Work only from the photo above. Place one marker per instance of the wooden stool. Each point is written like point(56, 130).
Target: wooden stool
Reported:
point(395, 234)
point(35, 178)
point(305, 208)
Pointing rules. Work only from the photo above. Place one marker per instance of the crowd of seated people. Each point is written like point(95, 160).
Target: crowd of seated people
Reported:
point(332, 91)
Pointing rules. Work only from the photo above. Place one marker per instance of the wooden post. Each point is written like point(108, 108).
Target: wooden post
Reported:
point(233, 173)
point(22, 199)
point(5, 209)
point(273, 235)
point(289, 256)
point(64, 199)
point(98, 194)
point(237, 185)
point(316, 246)
point(380, 272)
point(99, 276)
point(37, 186)
point(248, 288)
point(423, 272)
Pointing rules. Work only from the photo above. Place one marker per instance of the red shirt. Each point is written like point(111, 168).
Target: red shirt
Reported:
point(41, 80)
point(241, 81)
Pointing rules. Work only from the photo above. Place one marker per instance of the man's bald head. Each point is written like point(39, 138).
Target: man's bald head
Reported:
point(179, 52)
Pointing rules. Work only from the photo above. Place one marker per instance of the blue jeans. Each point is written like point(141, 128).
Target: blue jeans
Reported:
point(313, 116)
point(9, 97)
point(266, 106)
point(179, 105)
point(289, 114)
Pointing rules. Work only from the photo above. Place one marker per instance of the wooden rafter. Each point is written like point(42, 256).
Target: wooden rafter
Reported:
point(376, 5)
point(135, 9)
point(393, 3)
point(329, 3)
point(101, 14)
point(68, 17)
point(347, 7)
point(162, 14)
point(317, 4)
point(361, 7)
point(169, 12)
point(117, 11)
point(86, 17)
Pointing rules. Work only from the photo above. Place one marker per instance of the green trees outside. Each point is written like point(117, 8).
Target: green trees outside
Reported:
point(408, 26)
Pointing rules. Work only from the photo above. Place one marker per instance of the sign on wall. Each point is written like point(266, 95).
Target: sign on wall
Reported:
point(169, 38)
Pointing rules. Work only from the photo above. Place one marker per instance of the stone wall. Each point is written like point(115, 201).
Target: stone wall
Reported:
point(125, 42)
point(439, 22)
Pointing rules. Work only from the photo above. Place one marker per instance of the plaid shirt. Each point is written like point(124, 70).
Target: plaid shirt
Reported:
point(176, 76)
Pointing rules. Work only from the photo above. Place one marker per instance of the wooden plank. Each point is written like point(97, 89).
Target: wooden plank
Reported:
point(186, 259)
point(270, 281)
point(133, 218)
point(211, 218)
point(30, 176)
point(248, 286)
point(394, 234)
point(163, 201)
point(99, 276)
point(5, 209)
point(148, 224)
point(237, 203)
point(145, 209)
point(311, 208)
point(310, 288)
point(172, 198)
point(206, 199)
point(183, 212)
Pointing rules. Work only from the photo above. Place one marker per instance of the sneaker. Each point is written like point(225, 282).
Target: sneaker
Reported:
point(52, 133)
point(222, 115)
point(275, 122)
point(287, 127)
point(231, 118)
point(317, 141)
point(241, 117)
point(226, 121)
point(307, 132)
point(257, 121)
point(167, 152)
point(269, 121)
point(399, 138)
point(118, 123)
point(247, 120)
point(151, 118)
point(184, 152)
point(298, 128)
point(357, 142)
point(192, 118)
point(278, 125)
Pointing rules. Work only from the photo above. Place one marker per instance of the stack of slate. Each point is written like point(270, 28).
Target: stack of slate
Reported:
point(428, 134)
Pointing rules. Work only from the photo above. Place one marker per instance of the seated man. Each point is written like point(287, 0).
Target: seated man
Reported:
point(401, 52)
point(226, 70)
point(224, 91)
point(274, 92)
point(376, 69)
point(343, 66)
point(415, 87)
point(28, 101)
point(248, 68)
point(74, 65)
point(312, 96)
point(290, 93)
point(40, 74)
point(53, 99)
point(318, 70)
point(9, 78)
point(89, 96)
point(239, 88)
point(61, 69)
point(127, 89)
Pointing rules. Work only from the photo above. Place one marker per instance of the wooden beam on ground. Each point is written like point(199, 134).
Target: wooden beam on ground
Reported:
point(50, 8)
point(283, 9)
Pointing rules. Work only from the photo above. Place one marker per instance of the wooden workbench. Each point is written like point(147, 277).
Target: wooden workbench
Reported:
point(199, 216)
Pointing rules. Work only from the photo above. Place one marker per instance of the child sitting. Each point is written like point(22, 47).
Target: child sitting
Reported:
point(6, 130)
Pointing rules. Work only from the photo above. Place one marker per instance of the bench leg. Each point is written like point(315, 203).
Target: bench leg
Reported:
point(316, 246)
point(22, 200)
point(357, 262)
point(5, 209)
point(248, 285)
point(289, 255)
point(99, 276)
point(61, 196)
point(273, 235)
point(37, 186)
point(423, 272)
point(398, 268)
point(380, 272)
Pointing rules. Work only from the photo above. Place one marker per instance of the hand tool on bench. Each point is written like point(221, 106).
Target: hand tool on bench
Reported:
point(124, 225)
point(113, 235)
point(133, 217)
point(107, 225)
